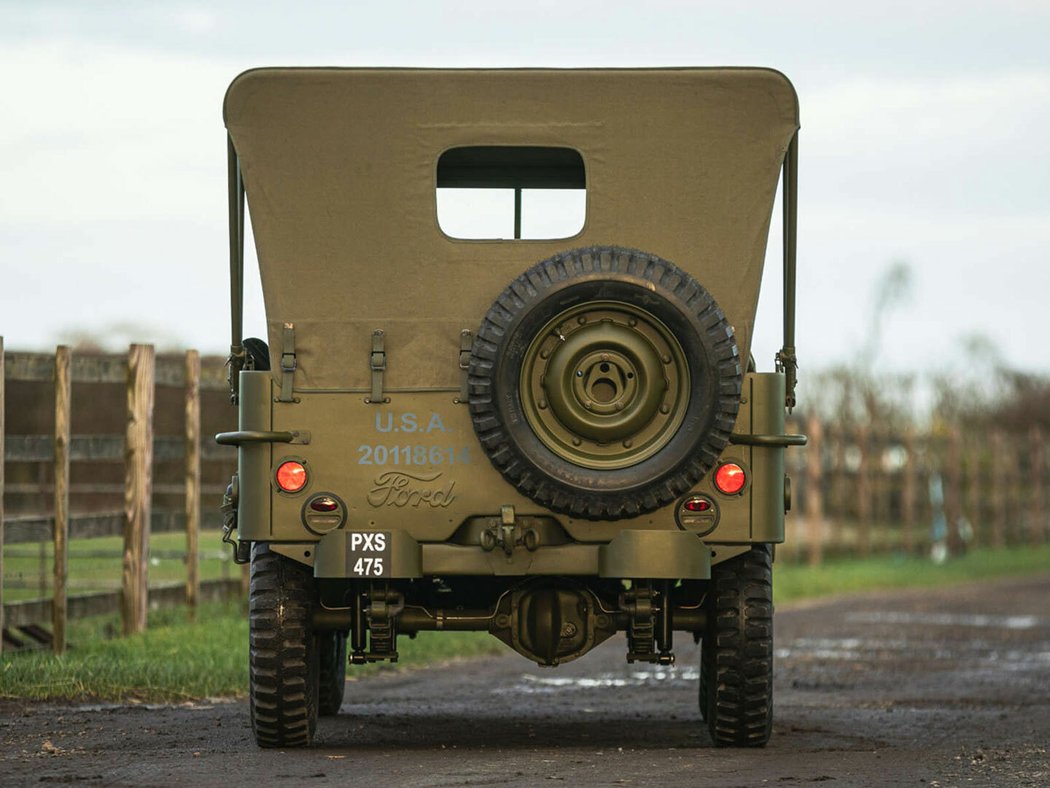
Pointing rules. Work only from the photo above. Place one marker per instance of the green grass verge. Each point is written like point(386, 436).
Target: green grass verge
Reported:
point(173, 660)
point(848, 576)
point(179, 660)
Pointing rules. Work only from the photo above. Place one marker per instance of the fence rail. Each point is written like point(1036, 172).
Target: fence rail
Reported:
point(40, 367)
point(141, 372)
point(96, 603)
point(23, 529)
point(86, 448)
point(861, 490)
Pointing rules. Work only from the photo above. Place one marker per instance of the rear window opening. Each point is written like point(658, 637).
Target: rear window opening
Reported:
point(498, 192)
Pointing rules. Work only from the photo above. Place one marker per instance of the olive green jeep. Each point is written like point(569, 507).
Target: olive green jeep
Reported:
point(503, 387)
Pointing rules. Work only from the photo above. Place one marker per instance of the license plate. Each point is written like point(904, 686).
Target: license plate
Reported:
point(368, 553)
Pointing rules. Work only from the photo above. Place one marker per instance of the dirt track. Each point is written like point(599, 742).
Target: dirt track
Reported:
point(944, 688)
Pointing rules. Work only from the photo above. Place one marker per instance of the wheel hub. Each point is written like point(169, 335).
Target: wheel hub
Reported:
point(605, 385)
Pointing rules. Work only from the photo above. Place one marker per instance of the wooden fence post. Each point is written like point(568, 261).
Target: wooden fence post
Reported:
point(908, 474)
point(835, 501)
point(864, 490)
point(998, 491)
point(953, 491)
point(1017, 485)
point(814, 491)
point(974, 499)
point(138, 471)
point(2, 368)
point(63, 403)
point(1014, 504)
point(193, 479)
point(1037, 466)
point(884, 524)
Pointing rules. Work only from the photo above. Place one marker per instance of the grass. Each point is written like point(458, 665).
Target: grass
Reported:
point(96, 564)
point(849, 576)
point(176, 660)
point(173, 660)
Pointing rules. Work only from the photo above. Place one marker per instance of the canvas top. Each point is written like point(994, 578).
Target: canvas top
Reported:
point(340, 169)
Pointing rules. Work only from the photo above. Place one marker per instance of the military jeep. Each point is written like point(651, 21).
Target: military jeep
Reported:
point(550, 435)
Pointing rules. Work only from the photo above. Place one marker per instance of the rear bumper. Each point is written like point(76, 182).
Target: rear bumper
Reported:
point(670, 555)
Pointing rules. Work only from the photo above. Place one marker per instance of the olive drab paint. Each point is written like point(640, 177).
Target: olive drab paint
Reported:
point(508, 435)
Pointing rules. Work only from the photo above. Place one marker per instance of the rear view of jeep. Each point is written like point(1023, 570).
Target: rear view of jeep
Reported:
point(548, 428)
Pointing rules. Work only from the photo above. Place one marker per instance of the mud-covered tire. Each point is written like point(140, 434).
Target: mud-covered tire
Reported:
point(283, 659)
point(331, 650)
point(675, 382)
point(736, 654)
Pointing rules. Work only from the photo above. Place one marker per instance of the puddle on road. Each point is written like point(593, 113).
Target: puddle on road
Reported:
point(853, 649)
point(948, 620)
point(528, 684)
point(875, 650)
point(856, 649)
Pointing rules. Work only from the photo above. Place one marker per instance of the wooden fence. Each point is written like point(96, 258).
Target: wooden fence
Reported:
point(857, 489)
point(861, 490)
point(139, 449)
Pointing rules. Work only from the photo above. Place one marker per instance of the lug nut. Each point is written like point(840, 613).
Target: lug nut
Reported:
point(576, 441)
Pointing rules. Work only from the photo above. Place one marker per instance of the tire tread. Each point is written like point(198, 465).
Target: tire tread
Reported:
point(736, 659)
point(282, 659)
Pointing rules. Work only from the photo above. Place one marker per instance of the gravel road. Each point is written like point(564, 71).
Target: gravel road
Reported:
point(936, 688)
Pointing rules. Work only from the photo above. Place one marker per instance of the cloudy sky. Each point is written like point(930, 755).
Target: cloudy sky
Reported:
point(923, 142)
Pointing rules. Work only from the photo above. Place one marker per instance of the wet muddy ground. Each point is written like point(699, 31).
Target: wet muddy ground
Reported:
point(935, 688)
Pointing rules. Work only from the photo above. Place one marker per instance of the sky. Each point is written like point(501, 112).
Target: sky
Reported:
point(922, 149)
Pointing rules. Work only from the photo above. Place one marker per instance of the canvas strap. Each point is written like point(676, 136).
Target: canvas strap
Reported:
point(377, 363)
point(288, 363)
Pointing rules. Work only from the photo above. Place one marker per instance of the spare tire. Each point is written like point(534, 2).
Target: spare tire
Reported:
point(604, 382)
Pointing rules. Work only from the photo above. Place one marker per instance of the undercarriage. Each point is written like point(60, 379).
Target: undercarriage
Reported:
point(549, 620)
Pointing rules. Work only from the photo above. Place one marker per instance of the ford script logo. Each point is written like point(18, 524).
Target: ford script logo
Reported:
point(397, 488)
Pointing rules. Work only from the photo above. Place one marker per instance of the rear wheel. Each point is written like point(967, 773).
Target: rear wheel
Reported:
point(331, 649)
point(736, 656)
point(283, 654)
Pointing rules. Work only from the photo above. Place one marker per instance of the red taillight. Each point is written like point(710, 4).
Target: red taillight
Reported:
point(730, 478)
point(324, 504)
point(697, 505)
point(291, 476)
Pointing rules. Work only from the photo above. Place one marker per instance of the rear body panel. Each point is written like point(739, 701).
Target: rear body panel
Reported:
point(418, 469)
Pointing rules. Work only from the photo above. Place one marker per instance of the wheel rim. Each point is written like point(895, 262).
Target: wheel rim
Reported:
point(605, 385)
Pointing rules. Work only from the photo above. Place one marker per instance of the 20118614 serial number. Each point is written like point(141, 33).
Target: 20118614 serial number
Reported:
point(379, 454)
